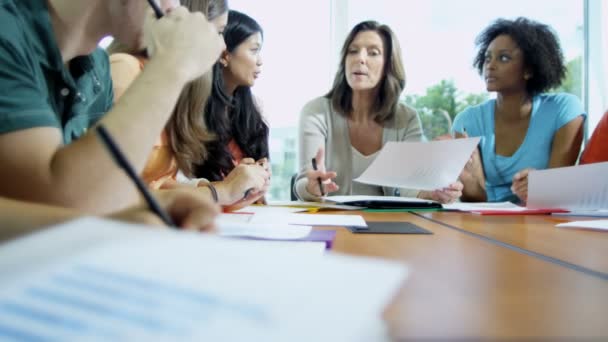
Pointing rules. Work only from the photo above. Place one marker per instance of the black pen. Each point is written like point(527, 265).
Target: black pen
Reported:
point(123, 163)
point(314, 167)
point(157, 11)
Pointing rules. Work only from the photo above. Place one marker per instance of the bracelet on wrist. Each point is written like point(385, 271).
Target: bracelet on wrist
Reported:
point(213, 191)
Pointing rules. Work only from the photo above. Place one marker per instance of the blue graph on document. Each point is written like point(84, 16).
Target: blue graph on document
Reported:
point(97, 303)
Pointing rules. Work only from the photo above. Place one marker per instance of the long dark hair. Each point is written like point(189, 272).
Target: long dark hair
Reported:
point(232, 117)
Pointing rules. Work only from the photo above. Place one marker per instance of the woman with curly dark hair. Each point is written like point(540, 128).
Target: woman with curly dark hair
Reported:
point(524, 128)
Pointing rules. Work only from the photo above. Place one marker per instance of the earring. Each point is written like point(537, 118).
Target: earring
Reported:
point(224, 63)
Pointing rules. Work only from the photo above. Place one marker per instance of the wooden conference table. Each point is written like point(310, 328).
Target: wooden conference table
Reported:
point(492, 277)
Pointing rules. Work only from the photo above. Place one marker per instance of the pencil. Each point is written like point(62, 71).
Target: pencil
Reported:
point(314, 167)
point(124, 164)
point(157, 11)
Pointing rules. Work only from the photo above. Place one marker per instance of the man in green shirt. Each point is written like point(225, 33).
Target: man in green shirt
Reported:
point(55, 83)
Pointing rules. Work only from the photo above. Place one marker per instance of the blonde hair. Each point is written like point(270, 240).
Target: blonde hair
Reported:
point(186, 127)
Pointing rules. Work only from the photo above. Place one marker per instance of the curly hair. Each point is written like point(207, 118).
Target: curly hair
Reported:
point(232, 116)
point(541, 51)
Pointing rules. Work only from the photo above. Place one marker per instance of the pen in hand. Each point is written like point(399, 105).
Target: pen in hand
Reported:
point(157, 11)
point(123, 163)
point(314, 167)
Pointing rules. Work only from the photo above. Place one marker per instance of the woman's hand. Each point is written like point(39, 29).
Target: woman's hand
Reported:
point(313, 176)
point(472, 176)
point(188, 209)
point(248, 180)
point(446, 195)
point(520, 184)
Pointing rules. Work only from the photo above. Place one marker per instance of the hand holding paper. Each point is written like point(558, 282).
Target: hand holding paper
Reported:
point(520, 184)
point(420, 165)
point(581, 187)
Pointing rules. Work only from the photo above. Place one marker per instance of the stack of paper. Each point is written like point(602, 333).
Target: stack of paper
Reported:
point(264, 209)
point(385, 202)
point(499, 208)
point(93, 279)
point(242, 225)
point(586, 213)
point(311, 205)
point(420, 165)
point(309, 219)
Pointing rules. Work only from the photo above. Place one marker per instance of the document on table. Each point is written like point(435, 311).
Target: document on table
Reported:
point(94, 279)
point(384, 202)
point(587, 213)
point(419, 165)
point(244, 225)
point(500, 208)
point(594, 225)
point(581, 187)
point(311, 205)
point(481, 206)
point(264, 209)
point(310, 220)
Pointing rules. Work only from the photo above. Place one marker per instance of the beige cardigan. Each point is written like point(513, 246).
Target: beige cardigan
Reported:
point(320, 126)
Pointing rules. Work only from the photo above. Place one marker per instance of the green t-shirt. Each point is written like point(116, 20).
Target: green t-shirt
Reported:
point(36, 88)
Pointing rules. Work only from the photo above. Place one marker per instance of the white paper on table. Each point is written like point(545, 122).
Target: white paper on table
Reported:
point(128, 283)
point(230, 225)
point(420, 165)
point(581, 187)
point(264, 209)
point(379, 199)
point(311, 205)
point(594, 224)
point(311, 219)
point(483, 206)
point(587, 213)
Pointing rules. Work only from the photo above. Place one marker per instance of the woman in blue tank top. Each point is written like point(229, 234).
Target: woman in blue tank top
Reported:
point(524, 128)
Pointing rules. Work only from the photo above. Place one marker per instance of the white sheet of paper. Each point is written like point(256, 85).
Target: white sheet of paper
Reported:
point(595, 224)
point(264, 209)
point(129, 283)
point(311, 219)
point(311, 205)
point(358, 198)
point(244, 225)
point(419, 165)
point(587, 213)
point(581, 187)
point(481, 206)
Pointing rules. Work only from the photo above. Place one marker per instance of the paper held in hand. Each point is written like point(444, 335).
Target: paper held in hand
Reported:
point(580, 187)
point(420, 165)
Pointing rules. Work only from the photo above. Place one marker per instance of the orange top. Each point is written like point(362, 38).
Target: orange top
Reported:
point(235, 151)
point(597, 147)
point(161, 165)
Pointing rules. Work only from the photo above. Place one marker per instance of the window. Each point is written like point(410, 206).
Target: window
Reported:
point(437, 38)
point(302, 42)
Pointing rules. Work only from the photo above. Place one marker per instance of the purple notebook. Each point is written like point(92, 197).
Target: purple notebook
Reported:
point(326, 236)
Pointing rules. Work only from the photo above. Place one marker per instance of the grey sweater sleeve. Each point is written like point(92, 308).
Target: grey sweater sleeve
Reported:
point(313, 132)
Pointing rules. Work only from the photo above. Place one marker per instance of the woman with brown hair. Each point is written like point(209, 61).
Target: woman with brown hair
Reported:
point(346, 128)
point(182, 143)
